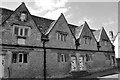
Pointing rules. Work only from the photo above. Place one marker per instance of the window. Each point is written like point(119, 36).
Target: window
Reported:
point(62, 57)
point(14, 58)
point(16, 30)
point(25, 58)
point(105, 42)
point(61, 35)
point(20, 57)
point(87, 40)
point(89, 57)
point(21, 31)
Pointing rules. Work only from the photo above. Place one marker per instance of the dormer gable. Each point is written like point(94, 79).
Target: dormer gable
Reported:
point(86, 38)
point(21, 15)
point(20, 27)
point(104, 41)
point(60, 34)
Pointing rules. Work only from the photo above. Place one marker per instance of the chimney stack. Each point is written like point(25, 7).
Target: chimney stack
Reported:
point(111, 36)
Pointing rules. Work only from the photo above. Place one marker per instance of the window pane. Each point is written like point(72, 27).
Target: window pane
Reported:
point(14, 58)
point(16, 30)
point(58, 36)
point(62, 57)
point(21, 32)
point(66, 58)
point(58, 57)
point(25, 58)
point(65, 37)
point(62, 37)
point(26, 31)
point(20, 57)
point(87, 57)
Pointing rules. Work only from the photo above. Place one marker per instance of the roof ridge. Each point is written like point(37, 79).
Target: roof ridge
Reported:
point(38, 17)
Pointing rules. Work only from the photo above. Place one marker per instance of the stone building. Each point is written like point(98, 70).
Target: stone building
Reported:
point(69, 48)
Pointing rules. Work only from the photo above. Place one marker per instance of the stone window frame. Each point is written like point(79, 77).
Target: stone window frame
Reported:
point(17, 58)
point(63, 57)
point(62, 36)
point(89, 57)
point(22, 31)
point(87, 40)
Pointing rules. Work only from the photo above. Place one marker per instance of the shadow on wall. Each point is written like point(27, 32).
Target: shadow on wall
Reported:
point(118, 63)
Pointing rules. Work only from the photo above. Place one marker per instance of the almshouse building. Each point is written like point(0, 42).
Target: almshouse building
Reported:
point(69, 48)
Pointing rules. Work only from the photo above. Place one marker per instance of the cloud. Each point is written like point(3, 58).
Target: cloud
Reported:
point(55, 14)
point(68, 16)
point(88, 20)
point(50, 4)
point(109, 23)
point(49, 8)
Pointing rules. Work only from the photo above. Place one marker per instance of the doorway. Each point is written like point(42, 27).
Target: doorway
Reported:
point(1, 66)
point(81, 62)
point(73, 63)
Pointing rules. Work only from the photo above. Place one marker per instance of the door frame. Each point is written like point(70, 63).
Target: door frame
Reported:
point(82, 63)
point(2, 62)
point(75, 59)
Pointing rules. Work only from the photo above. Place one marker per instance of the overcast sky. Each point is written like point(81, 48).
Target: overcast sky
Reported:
point(97, 14)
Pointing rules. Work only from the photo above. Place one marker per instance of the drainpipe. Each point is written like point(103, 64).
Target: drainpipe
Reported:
point(77, 43)
point(44, 39)
point(8, 73)
point(98, 46)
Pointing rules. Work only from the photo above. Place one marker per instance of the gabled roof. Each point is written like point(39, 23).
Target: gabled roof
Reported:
point(43, 24)
point(97, 34)
point(79, 31)
point(4, 14)
point(71, 27)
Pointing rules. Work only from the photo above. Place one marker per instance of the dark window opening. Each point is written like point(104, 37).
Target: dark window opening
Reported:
point(61, 35)
point(63, 57)
point(16, 30)
point(21, 32)
point(89, 57)
point(26, 31)
point(20, 57)
point(25, 58)
point(14, 58)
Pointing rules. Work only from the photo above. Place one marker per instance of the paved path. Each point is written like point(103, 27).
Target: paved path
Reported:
point(110, 77)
